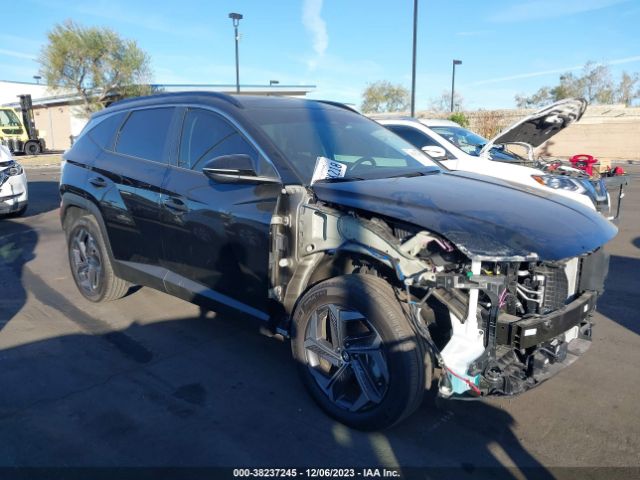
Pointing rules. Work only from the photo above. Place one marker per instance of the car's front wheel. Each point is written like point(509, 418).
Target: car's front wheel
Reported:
point(90, 264)
point(357, 352)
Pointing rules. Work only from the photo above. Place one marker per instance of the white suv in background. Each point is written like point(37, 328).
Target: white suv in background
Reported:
point(422, 134)
point(13, 185)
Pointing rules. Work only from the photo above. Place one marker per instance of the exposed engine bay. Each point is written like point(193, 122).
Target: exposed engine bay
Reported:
point(494, 326)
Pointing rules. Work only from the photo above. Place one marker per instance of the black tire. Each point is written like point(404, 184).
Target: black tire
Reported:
point(32, 148)
point(391, 398)
point(107, 286)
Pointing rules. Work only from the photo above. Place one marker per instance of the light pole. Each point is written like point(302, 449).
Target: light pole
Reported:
point(413, 63)
point(453, 81)
point(235, 18)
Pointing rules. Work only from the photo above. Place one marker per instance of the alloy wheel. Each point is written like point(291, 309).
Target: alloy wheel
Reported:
point(345, 356)
point(87, 261)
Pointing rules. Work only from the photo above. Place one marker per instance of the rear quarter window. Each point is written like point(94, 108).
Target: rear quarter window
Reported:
point(103, 134)
point(145, 134)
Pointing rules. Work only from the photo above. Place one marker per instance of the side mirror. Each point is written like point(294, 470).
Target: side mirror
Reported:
point(235, 168)
point(437, 153)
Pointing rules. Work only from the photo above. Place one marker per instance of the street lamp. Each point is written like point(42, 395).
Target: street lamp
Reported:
point(453, 81)
point(235, 18)
point(413, 63)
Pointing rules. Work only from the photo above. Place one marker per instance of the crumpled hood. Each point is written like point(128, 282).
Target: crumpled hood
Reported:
point(539, 127)
point(485, 218)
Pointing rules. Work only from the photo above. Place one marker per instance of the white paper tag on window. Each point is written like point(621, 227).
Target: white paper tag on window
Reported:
point(326, 168)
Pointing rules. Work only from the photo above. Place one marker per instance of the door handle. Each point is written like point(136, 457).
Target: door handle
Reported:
point(98, 182)
point(175, 204)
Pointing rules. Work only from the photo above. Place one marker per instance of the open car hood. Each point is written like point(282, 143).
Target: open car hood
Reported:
point(485, 218)
point(539, 127)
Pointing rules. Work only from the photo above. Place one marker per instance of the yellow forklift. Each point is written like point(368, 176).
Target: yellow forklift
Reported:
point(17, 129)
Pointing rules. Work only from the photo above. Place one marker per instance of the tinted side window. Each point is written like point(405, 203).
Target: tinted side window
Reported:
point(413, 136)
point(104, 132)
point(206, 135)
point(201, 132)
point(145, 134)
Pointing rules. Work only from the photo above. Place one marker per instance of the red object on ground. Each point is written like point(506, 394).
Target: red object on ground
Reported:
point(584, 162)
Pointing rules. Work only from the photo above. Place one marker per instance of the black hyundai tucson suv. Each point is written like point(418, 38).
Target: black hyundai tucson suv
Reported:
point(389, 274)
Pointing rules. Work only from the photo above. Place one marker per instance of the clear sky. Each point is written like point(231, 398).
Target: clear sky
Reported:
point(507, 46)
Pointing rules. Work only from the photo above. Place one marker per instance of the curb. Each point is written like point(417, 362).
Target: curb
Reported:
point(43, 165)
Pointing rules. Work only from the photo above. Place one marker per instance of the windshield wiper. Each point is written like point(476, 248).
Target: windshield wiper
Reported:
point(339, 179)
point(420, 173)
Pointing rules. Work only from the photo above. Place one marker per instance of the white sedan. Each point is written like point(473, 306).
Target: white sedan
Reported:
point(14, 193)
point(422, 134)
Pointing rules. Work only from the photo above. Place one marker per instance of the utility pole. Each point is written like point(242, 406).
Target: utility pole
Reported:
point(413, 63)
point(235, 18)
point(453, 81)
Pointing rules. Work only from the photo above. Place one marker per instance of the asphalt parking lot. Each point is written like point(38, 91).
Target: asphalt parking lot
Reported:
point(147, 381)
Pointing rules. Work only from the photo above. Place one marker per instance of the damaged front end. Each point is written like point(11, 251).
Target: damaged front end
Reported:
point(510, 325)
point(492, 325)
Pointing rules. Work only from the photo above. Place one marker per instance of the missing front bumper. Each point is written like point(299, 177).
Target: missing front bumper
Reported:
point(525, 333)
point(527, 352)
point(513, 373)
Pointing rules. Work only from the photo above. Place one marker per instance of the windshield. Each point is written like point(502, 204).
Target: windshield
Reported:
point(8, 118)
point(472, 143)
point(465, 140)
point(367, 149)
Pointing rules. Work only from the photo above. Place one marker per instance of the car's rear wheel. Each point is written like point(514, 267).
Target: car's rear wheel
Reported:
point(90, 264)
point(357, 352)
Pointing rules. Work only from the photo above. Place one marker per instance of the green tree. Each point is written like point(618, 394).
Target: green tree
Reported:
point(460, 118)
point(595, 84)
point(96, 63)
point(570, 86)
point(383, 96)
point(443, 102)
point(538, 99)
point(628, 89)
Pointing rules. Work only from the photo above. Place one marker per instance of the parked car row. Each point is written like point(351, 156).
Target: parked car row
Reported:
point(389, 273)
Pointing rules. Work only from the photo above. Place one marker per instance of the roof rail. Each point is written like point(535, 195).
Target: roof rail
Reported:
point(339, 105)
point(221, 96)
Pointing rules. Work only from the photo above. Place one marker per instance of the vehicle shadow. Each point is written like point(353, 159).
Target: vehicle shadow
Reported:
point(17, 244)
point(211, 392)
point(44, 196)
point(199, 392)
point(620, 301)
